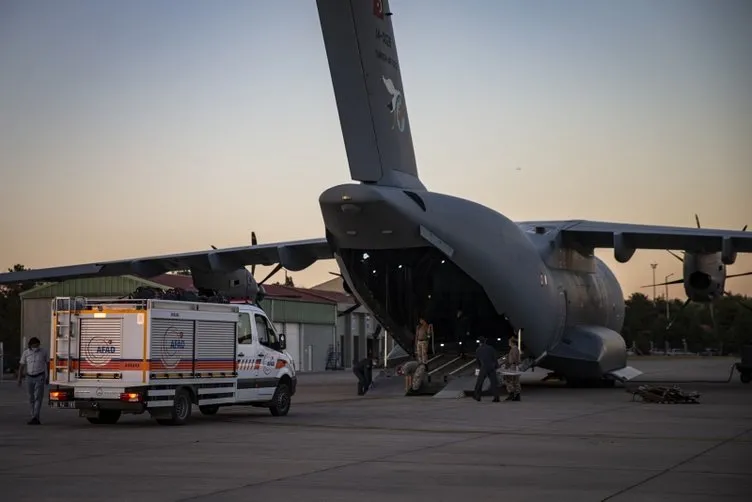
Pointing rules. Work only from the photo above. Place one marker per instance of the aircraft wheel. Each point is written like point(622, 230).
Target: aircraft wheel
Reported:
point(745, 377)
point(608, 383)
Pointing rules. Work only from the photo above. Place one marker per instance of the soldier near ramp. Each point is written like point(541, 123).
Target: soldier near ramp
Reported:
point(487, 360)
point(422, 332)
point(363, 369)
point(512, 382)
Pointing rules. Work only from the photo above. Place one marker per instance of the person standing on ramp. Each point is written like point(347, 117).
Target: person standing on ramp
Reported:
point(421, 341)
point(488, 362)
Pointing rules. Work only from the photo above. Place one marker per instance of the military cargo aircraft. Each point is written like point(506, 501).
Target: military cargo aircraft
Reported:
point(405, 251)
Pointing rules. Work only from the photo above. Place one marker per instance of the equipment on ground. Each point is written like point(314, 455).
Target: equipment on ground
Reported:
point(664, 395)
point(164, 356)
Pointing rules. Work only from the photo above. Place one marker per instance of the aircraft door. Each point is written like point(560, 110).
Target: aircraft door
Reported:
point(268, 340)
point(248, 360)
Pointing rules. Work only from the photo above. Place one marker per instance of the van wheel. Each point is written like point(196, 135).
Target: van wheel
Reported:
point(181, 409)
point(108, 417)
point(280, 403)
point(209, 409)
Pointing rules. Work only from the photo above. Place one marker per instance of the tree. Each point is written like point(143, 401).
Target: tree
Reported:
point(645, 322)
point(10, 312)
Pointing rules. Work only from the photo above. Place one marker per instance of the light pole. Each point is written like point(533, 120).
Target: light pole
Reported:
point(666, 284)
point(654, 266)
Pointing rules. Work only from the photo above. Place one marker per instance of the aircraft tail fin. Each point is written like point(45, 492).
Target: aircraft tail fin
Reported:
point(367, 81)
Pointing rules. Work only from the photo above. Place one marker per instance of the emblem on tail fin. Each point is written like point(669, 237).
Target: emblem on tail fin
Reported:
point(378, 9)
point(395, 105)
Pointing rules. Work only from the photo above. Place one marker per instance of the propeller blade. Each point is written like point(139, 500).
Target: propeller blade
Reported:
point(738, 275)
point(276, 269)
point(697, 220)
point(254, 242)
point(677, 281)
point(349, 309)
point(744, 228)
point(213, 246)
point(675, 255)
point(671, 323)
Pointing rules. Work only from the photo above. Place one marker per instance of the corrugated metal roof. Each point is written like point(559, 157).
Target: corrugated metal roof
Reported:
point(94, 286)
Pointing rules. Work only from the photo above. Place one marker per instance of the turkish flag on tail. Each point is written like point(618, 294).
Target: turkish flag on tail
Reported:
point(378, 9)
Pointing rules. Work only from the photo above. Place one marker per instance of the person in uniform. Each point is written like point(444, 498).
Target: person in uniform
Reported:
point(512, 382)
point(363, 370)
point(35, 365)
point(422, 332)
point(488, 363)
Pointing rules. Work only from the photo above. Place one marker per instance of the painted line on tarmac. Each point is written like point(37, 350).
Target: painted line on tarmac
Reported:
point(488, 432)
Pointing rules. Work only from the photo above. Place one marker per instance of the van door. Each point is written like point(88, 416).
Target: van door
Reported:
point(249, 360)
point(267, 378)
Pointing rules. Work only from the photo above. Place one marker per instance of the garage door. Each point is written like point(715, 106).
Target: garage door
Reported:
point(292, 333)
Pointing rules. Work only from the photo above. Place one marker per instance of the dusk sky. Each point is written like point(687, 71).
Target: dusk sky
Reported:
point(147, 127)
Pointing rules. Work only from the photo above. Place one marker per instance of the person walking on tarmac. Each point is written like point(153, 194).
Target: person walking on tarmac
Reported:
point(363, 370)
point(512, 382)
point(34, 365)
point(488, 362)
point(422, 332)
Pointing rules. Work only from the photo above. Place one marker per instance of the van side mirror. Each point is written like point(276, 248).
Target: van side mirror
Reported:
point(282, 342)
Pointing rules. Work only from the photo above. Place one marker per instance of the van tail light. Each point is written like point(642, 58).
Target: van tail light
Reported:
point(61, 395)
point(131, 397)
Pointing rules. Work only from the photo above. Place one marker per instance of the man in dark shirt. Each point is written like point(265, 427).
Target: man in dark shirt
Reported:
point(488, 363)
point(363, 369)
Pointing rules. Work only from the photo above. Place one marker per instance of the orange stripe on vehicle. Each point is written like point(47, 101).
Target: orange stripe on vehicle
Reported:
point(145, 361)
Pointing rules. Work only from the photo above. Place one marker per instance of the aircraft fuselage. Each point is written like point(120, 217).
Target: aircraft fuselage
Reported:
point(407, 254)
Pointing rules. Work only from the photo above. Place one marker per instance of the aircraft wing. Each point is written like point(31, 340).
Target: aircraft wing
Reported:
point(598, 234)
point(292, 255)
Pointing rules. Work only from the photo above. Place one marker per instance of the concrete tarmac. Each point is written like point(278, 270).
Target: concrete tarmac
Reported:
point(568, 444)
